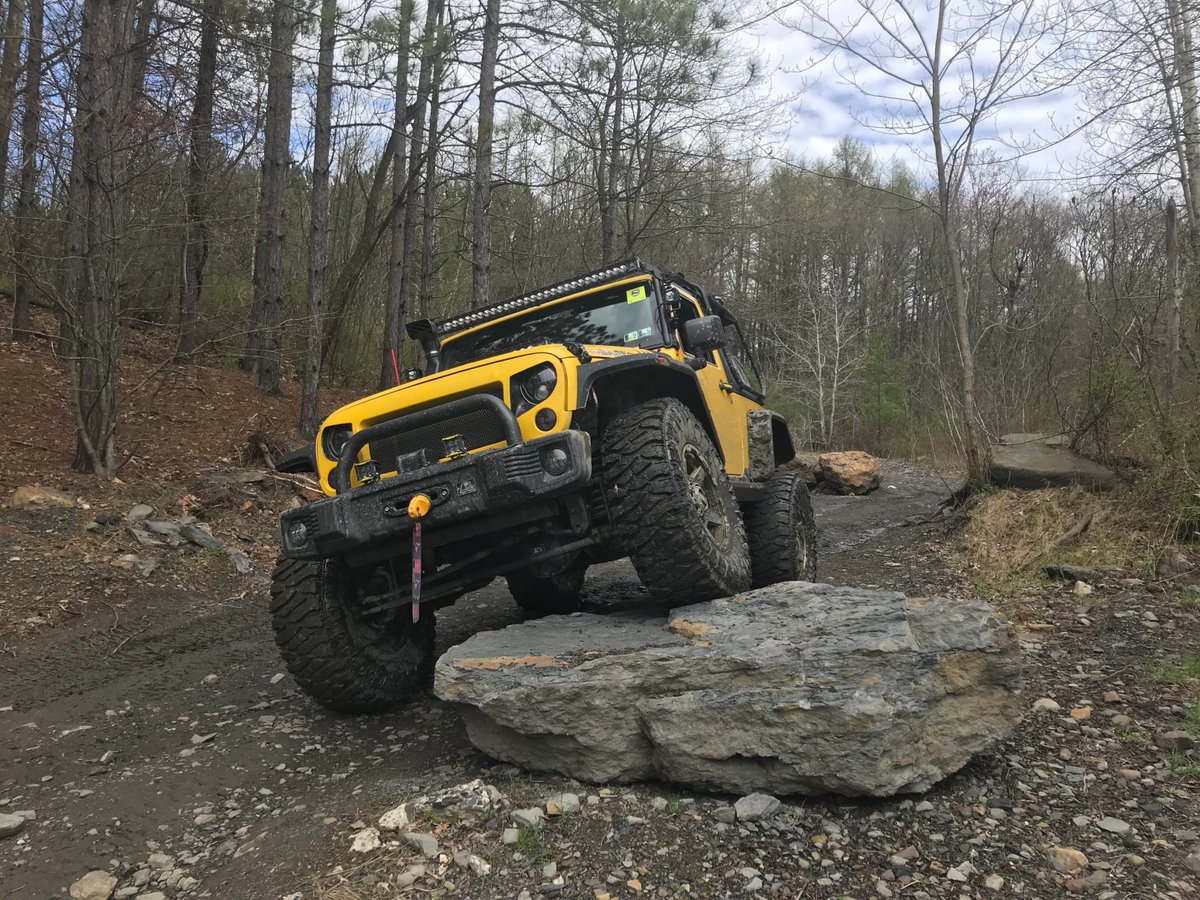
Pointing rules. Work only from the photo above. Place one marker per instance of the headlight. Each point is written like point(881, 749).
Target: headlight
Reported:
point(532, 387)
point(333, 441)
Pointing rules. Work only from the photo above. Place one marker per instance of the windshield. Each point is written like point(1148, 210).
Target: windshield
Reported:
point(620, 316)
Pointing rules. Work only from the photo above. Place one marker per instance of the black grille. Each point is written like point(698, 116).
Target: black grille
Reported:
point(479, 428)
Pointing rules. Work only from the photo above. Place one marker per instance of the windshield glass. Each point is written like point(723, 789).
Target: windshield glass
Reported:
point(621, 317)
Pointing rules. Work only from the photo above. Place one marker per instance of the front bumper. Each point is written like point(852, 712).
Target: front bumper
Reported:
point(476, 485)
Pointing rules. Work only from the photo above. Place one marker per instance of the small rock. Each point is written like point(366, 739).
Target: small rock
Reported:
point(395, 819)
point(1082, 589)
point(464, 859)
point(1066, 860)
point(1113, 826)
point(1174, 741)
point(509, 836)
point(994, 883)
point(94, 886)
point(209, 679)
point(1193, 861)
point(1112, 697)
point(562, 804)
point(10, 824)
point(139, 512)
point(1045, 705)
point(756, 806)
point(204, 820)
point(1081, 712)
point(954, 873)
point(1134, 860)
point(726, 814)
point(426, 843)
point(366, 841)
point(659, 804)
point(531, 818)
point(277, 677)
point(409, 876)
point(754, 884)
point(924, 806)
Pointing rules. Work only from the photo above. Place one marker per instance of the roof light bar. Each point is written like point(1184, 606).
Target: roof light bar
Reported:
point(542, 295)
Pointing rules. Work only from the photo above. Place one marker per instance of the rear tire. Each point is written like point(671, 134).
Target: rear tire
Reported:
point(547, 595)
point(344, 661)
point(782, 532)
point(672, 504)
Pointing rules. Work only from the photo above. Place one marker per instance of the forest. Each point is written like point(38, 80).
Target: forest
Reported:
point(281, 184)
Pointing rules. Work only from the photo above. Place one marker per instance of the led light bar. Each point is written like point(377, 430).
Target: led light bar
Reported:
point(542, 295)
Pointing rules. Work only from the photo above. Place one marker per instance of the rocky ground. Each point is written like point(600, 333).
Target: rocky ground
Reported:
point(148, 734)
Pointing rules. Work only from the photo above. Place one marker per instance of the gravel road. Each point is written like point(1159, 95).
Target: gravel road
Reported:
point(168, 738)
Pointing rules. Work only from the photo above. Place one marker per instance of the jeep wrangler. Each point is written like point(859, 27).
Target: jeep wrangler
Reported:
point(616, 414)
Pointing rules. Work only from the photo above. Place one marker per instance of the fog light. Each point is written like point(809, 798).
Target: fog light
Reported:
point(297, 534)
point(555, 461)
point(545, 419)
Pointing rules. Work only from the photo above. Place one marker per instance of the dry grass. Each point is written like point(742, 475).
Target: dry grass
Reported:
point(1011, 534)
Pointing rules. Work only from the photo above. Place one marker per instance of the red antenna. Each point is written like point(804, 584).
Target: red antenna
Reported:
point(395, 366)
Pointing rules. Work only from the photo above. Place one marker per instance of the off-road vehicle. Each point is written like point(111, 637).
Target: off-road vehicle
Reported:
point(615, 414)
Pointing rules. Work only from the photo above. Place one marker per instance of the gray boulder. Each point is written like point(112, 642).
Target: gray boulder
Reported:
point(1034, 461)
point(793, 689)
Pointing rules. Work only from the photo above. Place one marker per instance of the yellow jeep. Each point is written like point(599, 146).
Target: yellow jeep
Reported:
point(615, 414)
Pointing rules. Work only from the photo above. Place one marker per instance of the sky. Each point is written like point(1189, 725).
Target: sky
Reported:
point(824, 106)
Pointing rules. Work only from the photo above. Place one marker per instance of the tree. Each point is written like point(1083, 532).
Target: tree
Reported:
point(944, 71)
point(318, 243)
point(265, 348)
point(91, 298)
point(398, 250)
point(31, 125)
point(9, 61)
point(200, 159)
point(481, 196)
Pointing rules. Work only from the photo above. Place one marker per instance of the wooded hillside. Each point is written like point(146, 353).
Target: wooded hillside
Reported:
point(281, 185)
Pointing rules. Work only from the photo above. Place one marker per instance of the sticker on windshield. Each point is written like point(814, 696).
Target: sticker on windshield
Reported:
point(632, 336)
point(633, 295)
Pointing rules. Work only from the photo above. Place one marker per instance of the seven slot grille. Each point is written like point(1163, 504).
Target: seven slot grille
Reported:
point(479, 428)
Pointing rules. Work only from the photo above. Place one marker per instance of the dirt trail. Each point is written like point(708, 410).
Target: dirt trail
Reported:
point(123, 744)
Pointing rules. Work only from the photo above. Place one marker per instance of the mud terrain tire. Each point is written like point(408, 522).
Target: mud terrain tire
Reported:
point(342, 664)
point(672, 504)
point(782, 532)
point(557, 593)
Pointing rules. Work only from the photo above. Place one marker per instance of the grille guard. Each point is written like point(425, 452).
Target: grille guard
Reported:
point(340, 478)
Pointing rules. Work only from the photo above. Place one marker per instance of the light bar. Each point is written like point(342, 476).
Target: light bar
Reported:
point(540, 296)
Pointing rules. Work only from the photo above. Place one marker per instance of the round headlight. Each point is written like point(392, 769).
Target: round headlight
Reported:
point(539, 384)
point(334, 439)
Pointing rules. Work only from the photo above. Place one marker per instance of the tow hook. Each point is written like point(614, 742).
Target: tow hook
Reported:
point(418, 507)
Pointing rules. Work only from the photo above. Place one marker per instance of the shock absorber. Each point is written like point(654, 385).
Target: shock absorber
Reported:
point(418, 507)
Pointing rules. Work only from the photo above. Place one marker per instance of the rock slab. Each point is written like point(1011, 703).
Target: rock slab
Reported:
point(797, 688)
point(1041, 462)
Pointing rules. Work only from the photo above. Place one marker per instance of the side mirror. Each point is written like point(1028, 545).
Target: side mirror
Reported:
point(705, 334)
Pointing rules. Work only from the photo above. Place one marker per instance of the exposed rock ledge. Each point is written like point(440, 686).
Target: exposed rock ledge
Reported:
point(794, 689)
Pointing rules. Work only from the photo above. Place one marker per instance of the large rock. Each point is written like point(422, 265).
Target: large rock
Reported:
point(34, 496)
point(793, 689)
point(848, 472)
point(1034, 461)
point(806, 464)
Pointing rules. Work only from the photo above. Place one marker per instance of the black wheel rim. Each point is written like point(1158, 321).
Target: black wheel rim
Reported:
point(384, 635)
point(705, 494)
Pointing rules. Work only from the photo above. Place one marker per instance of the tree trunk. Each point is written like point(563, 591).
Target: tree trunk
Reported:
point(31, 123)
point(1176, 310)
point(394, 311)
point(429, 199)
point(1180, 22)
point(408, 221)
point(200, 128)
point(13, 28)
point(318, 245)
point(482, 188)
point(91, 299)
point(609, 206)
point(265, 347)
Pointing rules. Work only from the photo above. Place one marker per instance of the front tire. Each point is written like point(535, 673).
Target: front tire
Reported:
point(672, 504)
point(782, 532)
point(550, 594)
point(345, 661)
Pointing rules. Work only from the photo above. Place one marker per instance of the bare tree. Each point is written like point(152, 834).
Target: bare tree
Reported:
point(27, 204)
point(398, 251)
point(318, 243)
point(200, 158)
point(14, 27)
point(481, 196)
point(944, 70)
point(91, 299)
point(265, 347)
